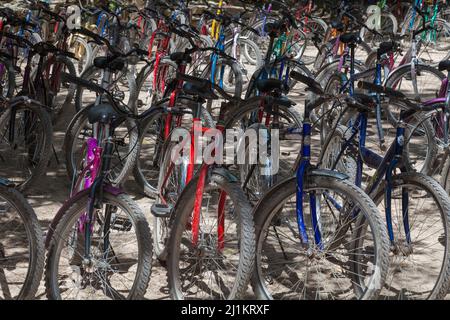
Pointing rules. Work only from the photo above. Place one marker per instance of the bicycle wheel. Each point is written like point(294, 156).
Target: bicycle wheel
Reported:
point(217, 267)
point(21, 247)
point(151, 83)
point(419, 151)
point(257, 177)
point(120, 260)
point(151, 142)
point(419, 266)
point(313, 27)
point(119, 87)
point(247, 65)
point(261, 39)
point(126, 150)
point(229, 75)
point(422, 87)
point(60, 94)
point(291, 65)
point(25, 151)
point(435, 44)
point(349, 261)
point(83, 52)
point(388, 26)
point(7, 79)
point(171, 182)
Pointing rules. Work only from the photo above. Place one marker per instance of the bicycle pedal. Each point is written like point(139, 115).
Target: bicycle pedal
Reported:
point(160, 210)
point(121, 224)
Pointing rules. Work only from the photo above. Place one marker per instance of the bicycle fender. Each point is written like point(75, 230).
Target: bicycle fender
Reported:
point(327, 173)
point(68, 203)
point(405, 66)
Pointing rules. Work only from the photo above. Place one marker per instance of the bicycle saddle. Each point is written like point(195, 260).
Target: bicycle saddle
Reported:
point(385, 47)
point(103, 113)
point(203, 91)
point(112, 63)
point(444, 65)
point(180, 57)
point(269, 85)
point(350, 38)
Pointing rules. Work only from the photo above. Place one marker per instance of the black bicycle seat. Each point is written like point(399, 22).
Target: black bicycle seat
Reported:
point(112, 63)
point(204, 91)
point(444, 65)
point(180, 57)
point(103, 113)
point(269, 85)
point(350, 38)
point(385, 47)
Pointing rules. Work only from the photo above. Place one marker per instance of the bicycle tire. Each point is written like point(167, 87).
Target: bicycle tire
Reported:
point(64, 225)
point(269, 206)
point(146, 184)
point(41, 158)
point(11, 79)
point(245, 230)
point(431, 186)
point(35, 241)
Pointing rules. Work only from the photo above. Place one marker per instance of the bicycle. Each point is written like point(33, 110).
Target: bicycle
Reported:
point(323, 253)
point(416, 207)
point(99, 238)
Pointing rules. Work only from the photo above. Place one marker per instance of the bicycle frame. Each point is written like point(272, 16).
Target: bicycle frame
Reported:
point(220, 45)
point(385, 166)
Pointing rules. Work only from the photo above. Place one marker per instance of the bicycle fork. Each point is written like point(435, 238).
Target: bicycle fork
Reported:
point(95, 202)
point(196, 216)
point(396, 161)
point(301, 174)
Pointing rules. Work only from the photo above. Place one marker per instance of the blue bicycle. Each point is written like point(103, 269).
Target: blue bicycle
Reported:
point(415, 207)
point(318, 236)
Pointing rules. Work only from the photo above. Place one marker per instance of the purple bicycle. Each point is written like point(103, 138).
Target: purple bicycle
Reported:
point(99, 243)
